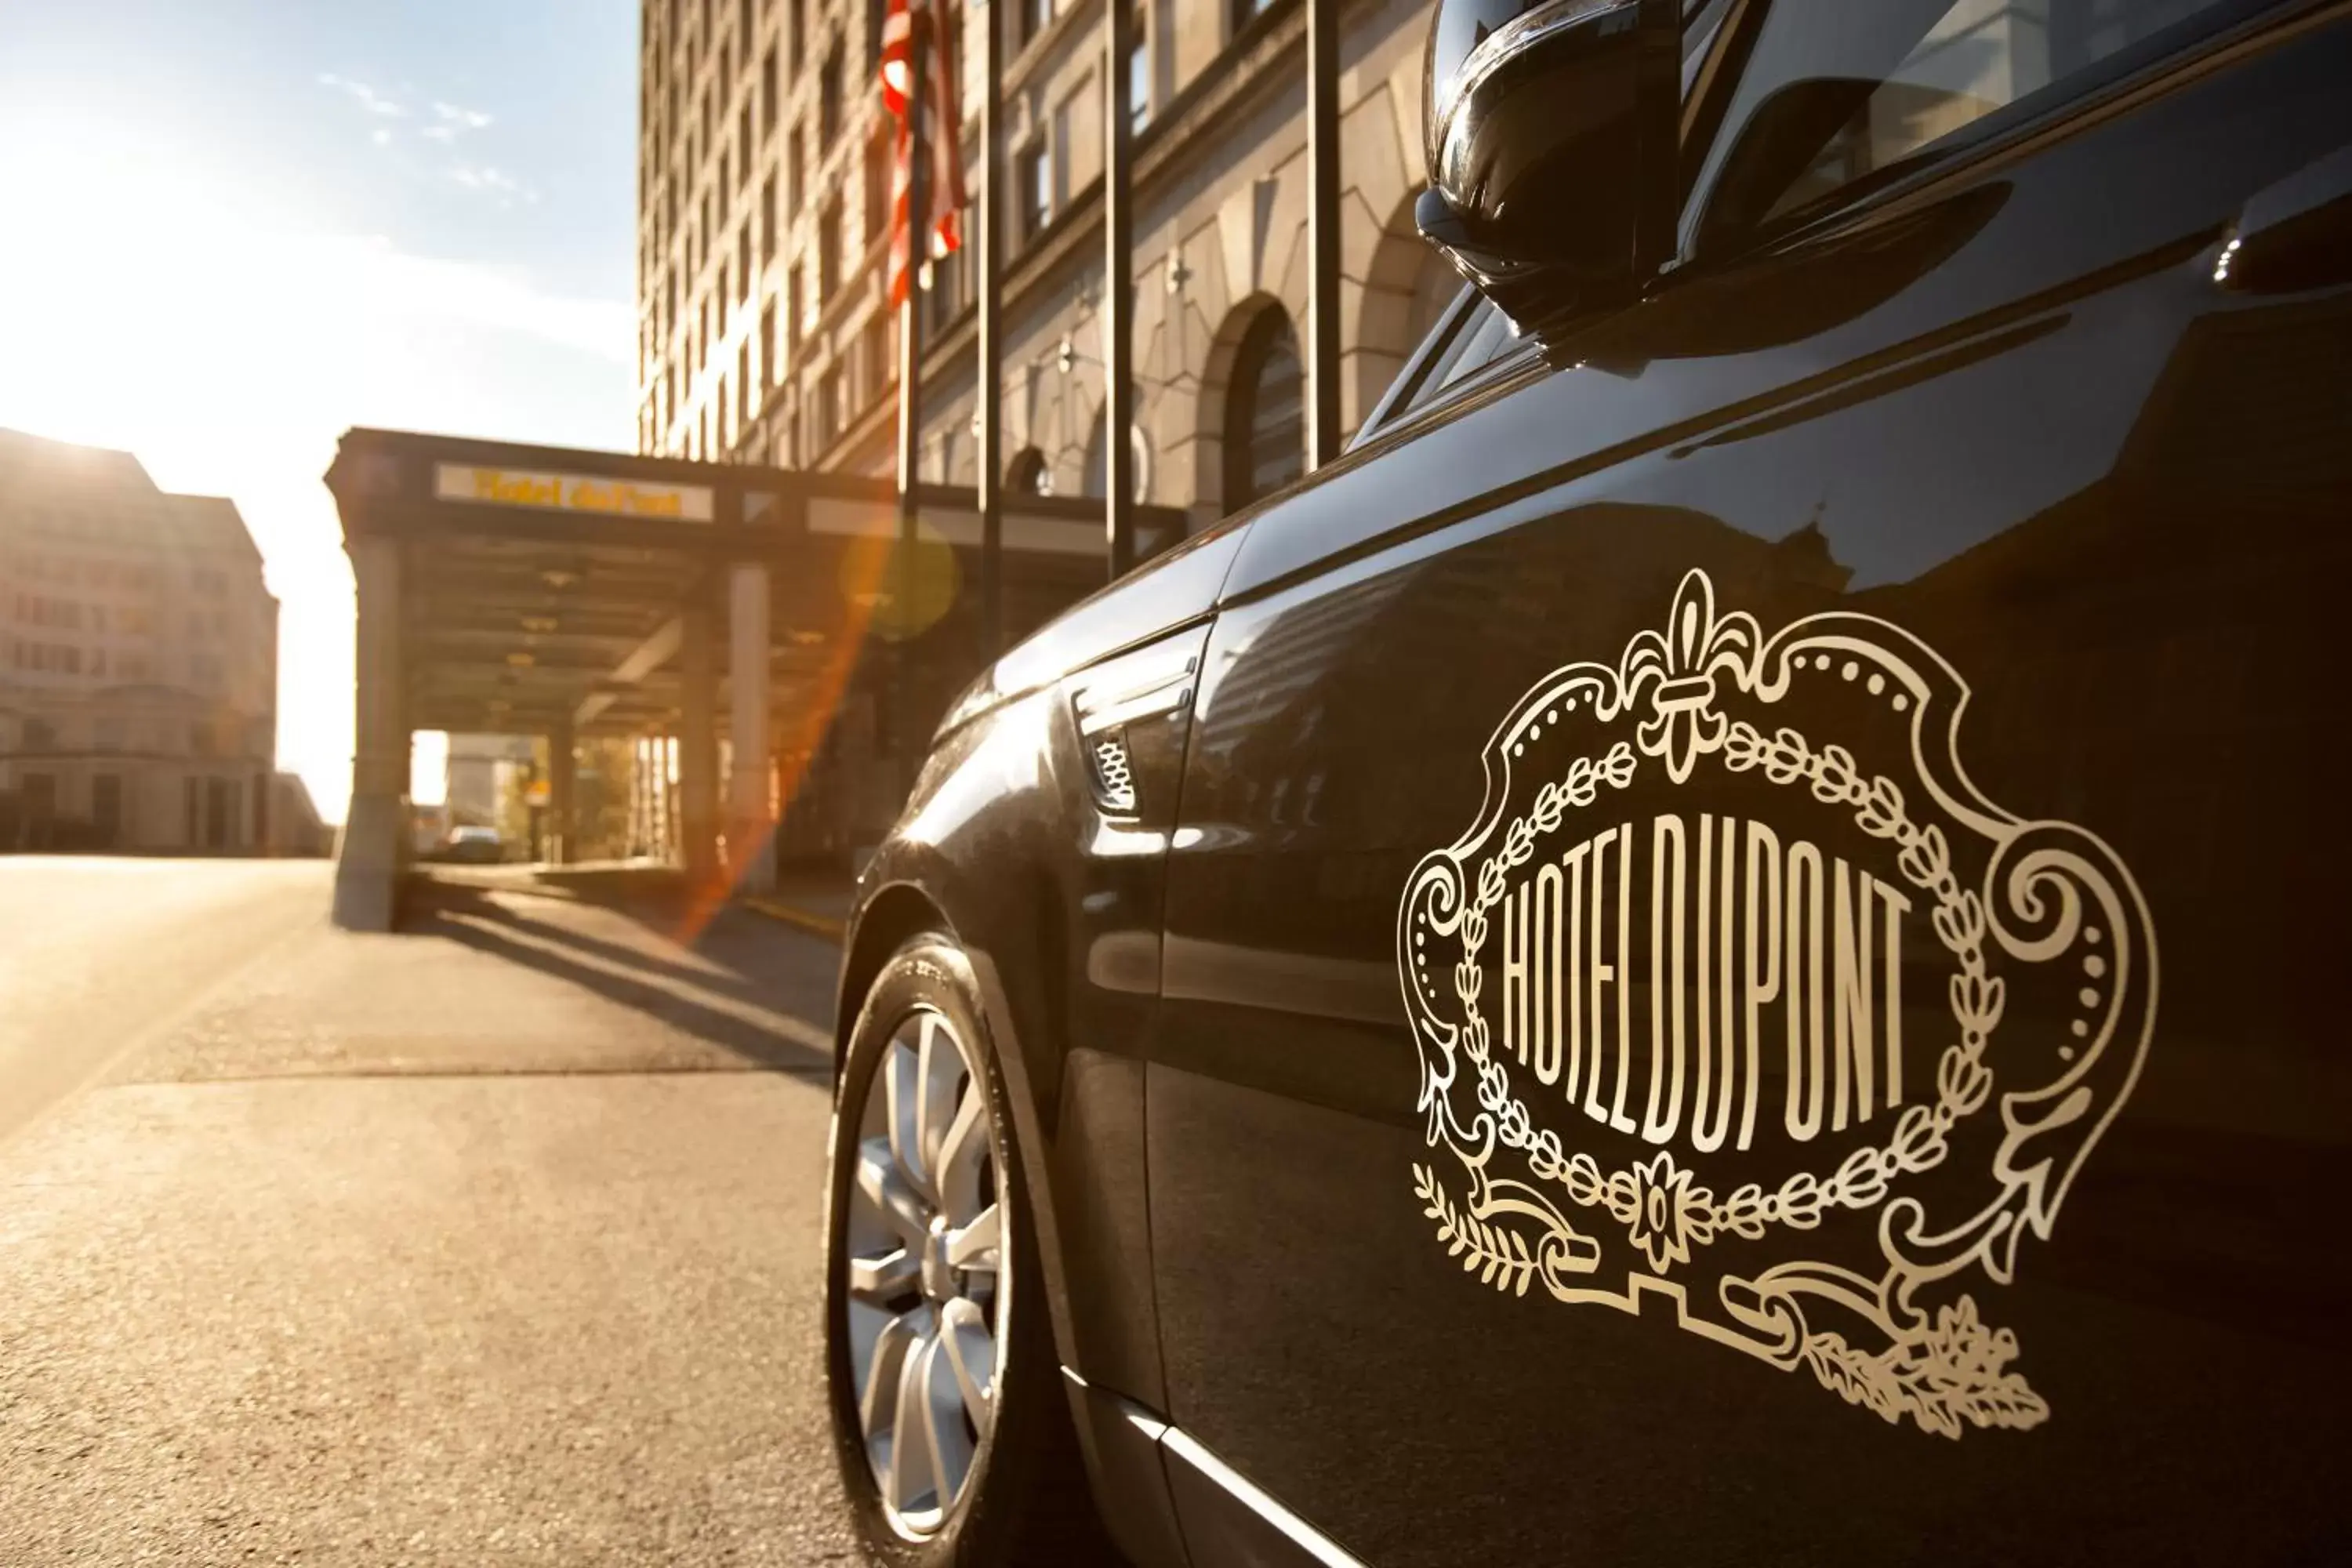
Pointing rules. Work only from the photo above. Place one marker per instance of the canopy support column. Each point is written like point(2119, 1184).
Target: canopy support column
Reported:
point(750, 835)
point(698, 747)
point(376, 847)
point(562, 779)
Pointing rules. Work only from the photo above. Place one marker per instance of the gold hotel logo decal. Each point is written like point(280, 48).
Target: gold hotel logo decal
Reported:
point(571, 492)
point(1806, 1068)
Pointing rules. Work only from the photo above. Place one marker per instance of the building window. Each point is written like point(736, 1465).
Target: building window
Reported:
point(829, 253)
point(877, 183)
point(1139, 78)
point(828, 99)
point(1033, 191)
point(1265, 414)
point(1033, 17)
point(106, 807)
point(794, 309)
point(40, 796)
point(744, 403)
point(768, 93)
point(881, 369)
point(833, 404)
point(1097, 475)
point(744, 277)
point(1026, 475)
point(769, 368)
point(768, 219)
point(795, 33)
point(1240, 14)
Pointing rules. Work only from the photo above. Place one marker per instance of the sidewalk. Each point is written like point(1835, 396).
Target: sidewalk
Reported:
point(815, 901)
point(811, 899)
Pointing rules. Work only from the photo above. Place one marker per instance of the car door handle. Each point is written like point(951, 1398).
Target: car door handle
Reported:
point(2293, 235)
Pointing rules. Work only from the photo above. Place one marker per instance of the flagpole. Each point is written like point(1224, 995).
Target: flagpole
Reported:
point(1322, 232)
point(1119, 297)
point(910, 369)
point(988, 269)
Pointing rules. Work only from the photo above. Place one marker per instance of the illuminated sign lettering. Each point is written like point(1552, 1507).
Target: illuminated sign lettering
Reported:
point(571, 492)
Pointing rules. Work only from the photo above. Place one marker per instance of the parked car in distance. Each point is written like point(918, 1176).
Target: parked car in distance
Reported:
point(473, 845)
point(1720, 944)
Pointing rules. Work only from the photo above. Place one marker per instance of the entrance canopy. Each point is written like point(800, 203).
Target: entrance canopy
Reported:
point(545, 584)
point(538, 590)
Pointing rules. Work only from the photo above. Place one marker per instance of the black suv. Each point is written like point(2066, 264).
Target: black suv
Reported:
point(1721, 945)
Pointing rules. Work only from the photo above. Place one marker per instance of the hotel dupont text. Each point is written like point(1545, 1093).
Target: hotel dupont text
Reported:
point(1735, 993)
point(1755, 951)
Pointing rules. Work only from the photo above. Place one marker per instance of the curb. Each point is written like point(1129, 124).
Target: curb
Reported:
point(826, 926)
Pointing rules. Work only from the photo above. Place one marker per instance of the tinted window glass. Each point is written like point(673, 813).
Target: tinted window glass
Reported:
point(1837, 93)
point(1473, 340)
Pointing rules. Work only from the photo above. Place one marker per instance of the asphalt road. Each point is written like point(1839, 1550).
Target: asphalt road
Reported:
point(494, 1240)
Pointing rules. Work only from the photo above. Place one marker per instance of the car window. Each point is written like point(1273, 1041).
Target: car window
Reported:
point(1470, 336)
point(1836, 95)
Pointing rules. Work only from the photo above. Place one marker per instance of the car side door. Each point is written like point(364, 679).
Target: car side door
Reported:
point(1675, 852)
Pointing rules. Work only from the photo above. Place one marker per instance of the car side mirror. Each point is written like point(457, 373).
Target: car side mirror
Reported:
point(1550, 139)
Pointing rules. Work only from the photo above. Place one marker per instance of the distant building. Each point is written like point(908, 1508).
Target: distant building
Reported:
point(138, 664)
point(475, 777)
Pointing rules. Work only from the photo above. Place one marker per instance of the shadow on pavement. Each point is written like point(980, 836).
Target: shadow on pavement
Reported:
point(729, 987)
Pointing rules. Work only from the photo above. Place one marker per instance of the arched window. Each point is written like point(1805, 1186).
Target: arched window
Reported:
point(1026, 476)
point(1265, 412)
point(1097, 479)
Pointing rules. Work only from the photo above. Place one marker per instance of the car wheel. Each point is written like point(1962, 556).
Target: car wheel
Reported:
point(951, 1426)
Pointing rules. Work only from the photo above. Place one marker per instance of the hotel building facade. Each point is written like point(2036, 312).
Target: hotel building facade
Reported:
point(764, 183)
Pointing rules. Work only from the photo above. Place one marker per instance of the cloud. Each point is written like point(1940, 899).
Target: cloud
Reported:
point(491, 181)
point(363, 95)
point(383, 137)
point(452, 121)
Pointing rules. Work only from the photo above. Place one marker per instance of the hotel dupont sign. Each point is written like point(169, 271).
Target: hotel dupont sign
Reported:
point(571, 492)
point(1736, 992)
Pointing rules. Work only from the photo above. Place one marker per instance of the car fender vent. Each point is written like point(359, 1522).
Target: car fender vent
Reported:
point(1114, 778)
point(1131, 702)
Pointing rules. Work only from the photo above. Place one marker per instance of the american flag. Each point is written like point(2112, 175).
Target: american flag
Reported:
point(941, 124)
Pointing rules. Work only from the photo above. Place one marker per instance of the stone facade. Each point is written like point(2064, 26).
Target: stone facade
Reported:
point(748, 354)
point(138, 661)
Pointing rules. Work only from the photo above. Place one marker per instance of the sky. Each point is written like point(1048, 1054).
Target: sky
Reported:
point(232, 229)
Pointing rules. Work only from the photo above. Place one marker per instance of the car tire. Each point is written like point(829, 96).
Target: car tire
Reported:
point(1023, 1497)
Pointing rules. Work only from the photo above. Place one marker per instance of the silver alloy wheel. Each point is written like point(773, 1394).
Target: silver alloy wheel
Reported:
point(924, 1261)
